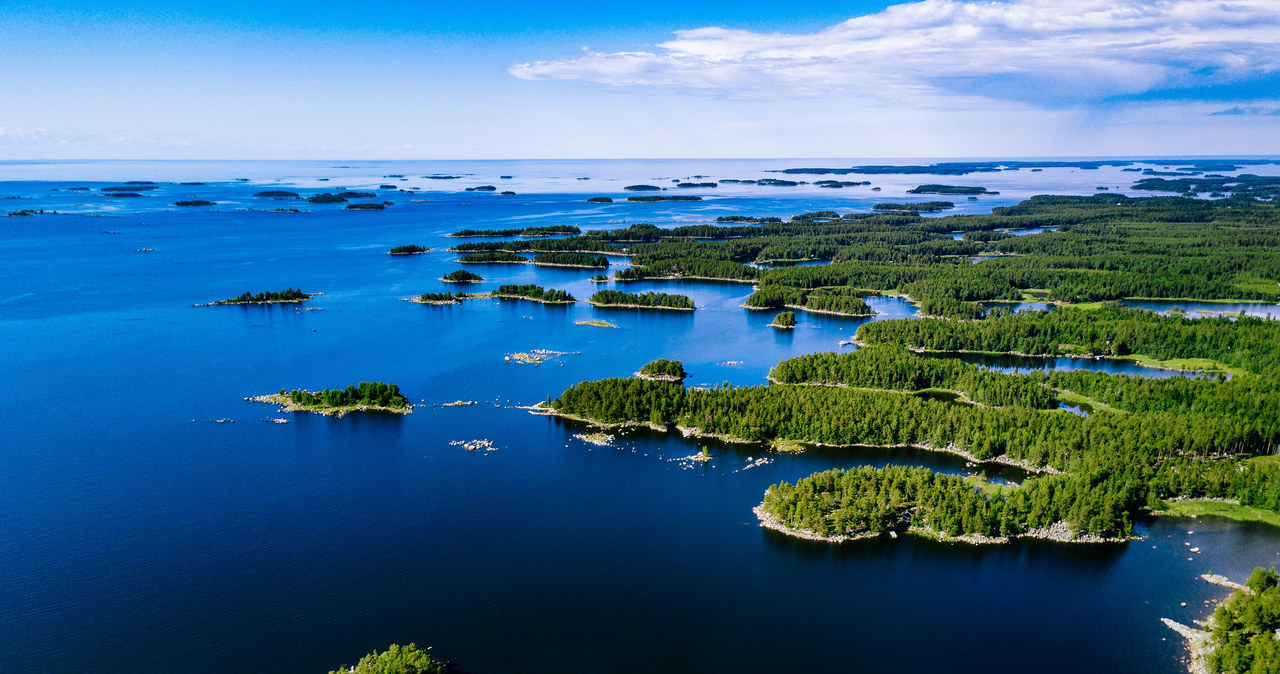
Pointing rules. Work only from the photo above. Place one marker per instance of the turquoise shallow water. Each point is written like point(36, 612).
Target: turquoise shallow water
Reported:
point(137, 532)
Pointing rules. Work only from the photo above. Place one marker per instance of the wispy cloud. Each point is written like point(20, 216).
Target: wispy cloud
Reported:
point(1043, 52)
point(20, 134)
point(1255, 111)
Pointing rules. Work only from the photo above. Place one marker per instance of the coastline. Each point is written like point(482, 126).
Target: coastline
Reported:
point(541, 409)
point(435, 303)
point(637, 306)
point(417, 299)
point(606, 253)
point(567, 266)
point(658, 377)
point(799, 307)
point(287, 405)
point(519, 297)
point(228, 303)
point(677, 277)
point(1214, 507)
point(1059, 532)
point(768, 521)
point(1199, 641)
point(688, 431)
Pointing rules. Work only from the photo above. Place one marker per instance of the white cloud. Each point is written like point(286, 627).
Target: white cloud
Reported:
point(20, 134)
point(1044, 52)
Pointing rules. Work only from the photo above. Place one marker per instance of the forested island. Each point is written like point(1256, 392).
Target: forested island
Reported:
point(841, 301)
point(439, 298)
point(408, 250)
point(461, 276)
point(578, 260)
point(493, 257)
point(395, 660)
point(533, 292)
point(949, 189)
point(963, 168)
point(663, 369)
point(649, 300)
point(680, 197)
point(188, 203)
point(916, 207)
point(362, 397)
point(507, 291)
point(785, 320)
point(551, 230)
point(287, 295)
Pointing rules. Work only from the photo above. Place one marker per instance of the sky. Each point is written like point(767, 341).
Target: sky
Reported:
point(748, 78)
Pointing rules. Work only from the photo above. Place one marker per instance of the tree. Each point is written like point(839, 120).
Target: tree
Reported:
point(395, 660)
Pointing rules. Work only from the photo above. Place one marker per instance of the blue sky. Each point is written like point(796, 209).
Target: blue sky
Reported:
point(441, 80)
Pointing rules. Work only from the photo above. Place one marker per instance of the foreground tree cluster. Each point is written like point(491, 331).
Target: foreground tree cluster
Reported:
point(374, 394)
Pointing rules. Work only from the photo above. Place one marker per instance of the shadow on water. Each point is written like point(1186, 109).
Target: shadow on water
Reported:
point(783, 337)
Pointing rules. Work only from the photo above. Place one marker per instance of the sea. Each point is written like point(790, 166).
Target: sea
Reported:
point(152, 519)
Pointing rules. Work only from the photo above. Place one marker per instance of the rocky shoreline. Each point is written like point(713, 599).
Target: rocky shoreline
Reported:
point(770, 522)
point(1198, 646)
point(1059, 532)
point(658, 377)
point(637, 306)
point(689, 431)
point(677, 277)
point(434, 303)
point(287, 405)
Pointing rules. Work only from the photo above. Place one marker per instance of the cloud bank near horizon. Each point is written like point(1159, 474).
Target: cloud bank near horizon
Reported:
point(1041, 53)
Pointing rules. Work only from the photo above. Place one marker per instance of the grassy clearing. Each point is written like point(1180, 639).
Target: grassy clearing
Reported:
point(1257, 285)
point(1073, 398)
point(790, 446)
point(991, 489)
point(1200, 508)
point(1085, 306)
point(1196, 364)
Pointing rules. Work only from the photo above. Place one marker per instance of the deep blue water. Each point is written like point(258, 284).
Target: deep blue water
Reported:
point(137, 533)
